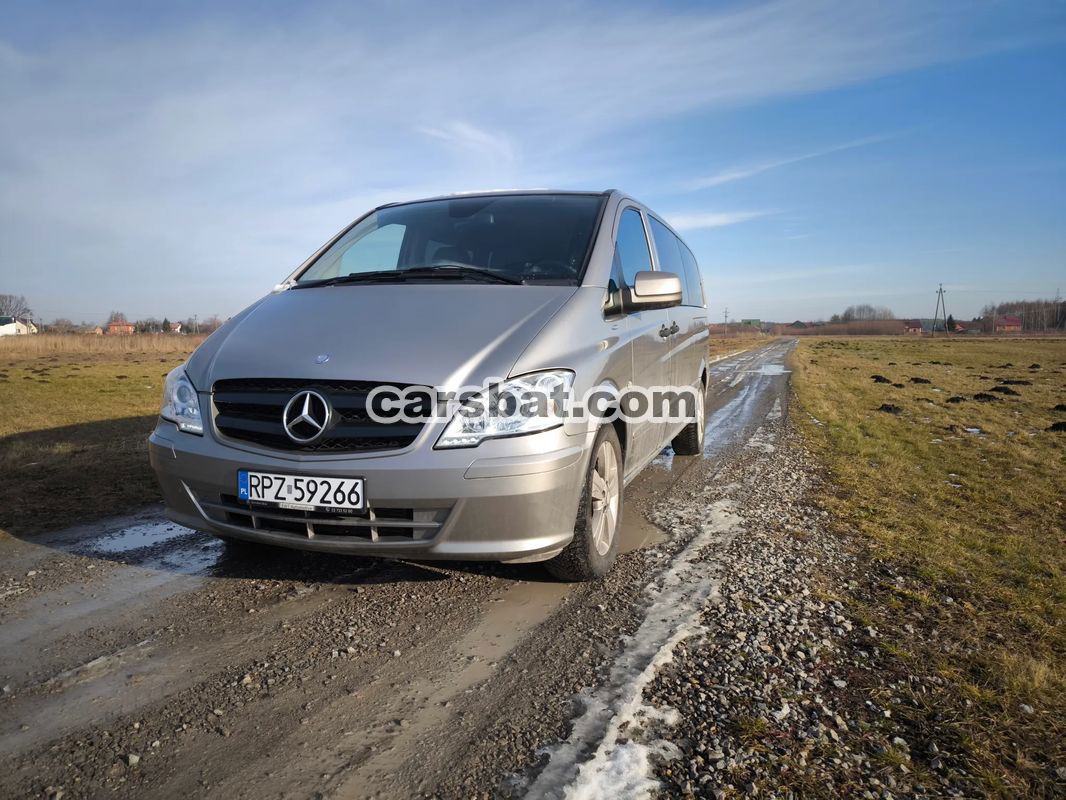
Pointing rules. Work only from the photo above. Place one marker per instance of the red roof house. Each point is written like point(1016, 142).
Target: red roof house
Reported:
point(1008, 323)
point(119, 328)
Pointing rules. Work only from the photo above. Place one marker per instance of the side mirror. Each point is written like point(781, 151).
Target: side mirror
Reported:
point(653, 289)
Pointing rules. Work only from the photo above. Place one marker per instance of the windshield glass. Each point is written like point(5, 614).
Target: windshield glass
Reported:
point(521, 237)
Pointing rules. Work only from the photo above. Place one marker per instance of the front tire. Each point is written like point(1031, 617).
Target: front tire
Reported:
point(592, 551)
point(689, 441)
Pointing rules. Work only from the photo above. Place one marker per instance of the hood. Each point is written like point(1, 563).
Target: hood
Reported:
point(435, 334)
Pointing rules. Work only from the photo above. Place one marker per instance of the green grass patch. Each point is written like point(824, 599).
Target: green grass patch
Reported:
point(964, 493)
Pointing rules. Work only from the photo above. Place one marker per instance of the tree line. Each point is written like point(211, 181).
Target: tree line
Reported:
point(12, 305)
point(1036, 315)
point(862, 313)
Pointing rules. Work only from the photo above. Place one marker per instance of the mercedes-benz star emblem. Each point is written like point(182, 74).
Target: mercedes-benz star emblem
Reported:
point(306, 416)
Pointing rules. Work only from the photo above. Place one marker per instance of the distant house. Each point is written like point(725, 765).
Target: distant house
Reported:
point(9, 326)
point(173, 327)
point(1008, 324)
point(752, 323)
point(97, 331)
point(119, 328)
point(914, 326)
point(798, 325)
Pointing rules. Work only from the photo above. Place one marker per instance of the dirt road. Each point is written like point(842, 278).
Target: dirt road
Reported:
point(138, 657)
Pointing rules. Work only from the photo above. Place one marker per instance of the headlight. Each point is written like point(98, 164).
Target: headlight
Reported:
point(516, 407)
point(180, 403)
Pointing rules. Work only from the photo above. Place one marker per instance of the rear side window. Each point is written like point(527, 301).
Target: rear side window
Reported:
point(669, 250)
point(693, 284)
point(675, 257)
point(631, 249)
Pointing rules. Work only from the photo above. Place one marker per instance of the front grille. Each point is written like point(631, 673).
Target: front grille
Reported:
point(376, 525)
point(251, 410)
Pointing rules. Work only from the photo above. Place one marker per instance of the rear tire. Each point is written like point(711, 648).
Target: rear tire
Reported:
point(689, 442)
point(592, 551)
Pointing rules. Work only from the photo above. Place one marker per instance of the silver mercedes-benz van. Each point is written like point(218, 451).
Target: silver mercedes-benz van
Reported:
point(267, 433)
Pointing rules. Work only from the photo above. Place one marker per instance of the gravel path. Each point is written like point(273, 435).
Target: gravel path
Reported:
point(774, 690)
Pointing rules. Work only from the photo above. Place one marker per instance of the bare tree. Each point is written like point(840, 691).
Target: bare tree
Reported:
point(116, 316)
point(865, 313)
point(14, 306)
point(1036, 315)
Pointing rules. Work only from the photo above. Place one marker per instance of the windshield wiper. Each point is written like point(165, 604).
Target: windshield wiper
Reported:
point(401, 275)
point(385, 275)
point(460, 271)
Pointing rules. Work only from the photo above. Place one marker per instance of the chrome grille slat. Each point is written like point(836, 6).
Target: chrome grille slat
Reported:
point(251, 410)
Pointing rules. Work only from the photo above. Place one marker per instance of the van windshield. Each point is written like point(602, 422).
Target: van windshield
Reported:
point(531, 238)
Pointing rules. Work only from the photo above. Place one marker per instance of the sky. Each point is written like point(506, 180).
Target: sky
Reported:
point(179, 159)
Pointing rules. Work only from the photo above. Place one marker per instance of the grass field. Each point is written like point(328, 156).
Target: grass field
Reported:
point(966, 496)
point(723, 345)
point(77, 411)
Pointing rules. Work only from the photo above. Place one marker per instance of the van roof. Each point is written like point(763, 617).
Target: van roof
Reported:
point(498, 192)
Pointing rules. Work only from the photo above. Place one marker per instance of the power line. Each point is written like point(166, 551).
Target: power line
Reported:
point(940, 304)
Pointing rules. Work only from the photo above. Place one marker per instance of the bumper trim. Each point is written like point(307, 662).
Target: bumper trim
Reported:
point(370, 521)
point(523, 465)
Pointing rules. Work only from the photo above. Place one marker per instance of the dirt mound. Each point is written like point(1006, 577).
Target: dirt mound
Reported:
point(956, 399)
point(981, 397)
point(1004, 390)
point(1059, 427)
point(879, 379)
point(888, 408)
point(1015, 382)
point(1060, 407)
point(920, 380)
point(1034, 366)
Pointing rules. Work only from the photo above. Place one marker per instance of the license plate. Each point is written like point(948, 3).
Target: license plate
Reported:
point(301, 492)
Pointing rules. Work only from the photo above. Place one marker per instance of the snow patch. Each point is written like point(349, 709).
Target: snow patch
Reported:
point(623, 769)
point(771, 369)
point(761, 440)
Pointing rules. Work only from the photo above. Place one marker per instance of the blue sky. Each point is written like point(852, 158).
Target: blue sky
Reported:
point(180, 159)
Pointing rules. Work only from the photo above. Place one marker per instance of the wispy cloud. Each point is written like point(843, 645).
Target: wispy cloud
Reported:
point(712, 219)
point(473, 140)
point(750, 170)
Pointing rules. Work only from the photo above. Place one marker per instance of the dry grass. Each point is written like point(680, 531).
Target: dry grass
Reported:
point(976, 517)
point(723, 345)
point(50, 343)
point(74, 427)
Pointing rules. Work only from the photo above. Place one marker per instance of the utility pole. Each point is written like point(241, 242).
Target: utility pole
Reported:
point(940, 306)
point(725, 315)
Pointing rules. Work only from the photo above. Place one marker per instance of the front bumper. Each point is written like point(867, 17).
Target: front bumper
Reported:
point(506, 500)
